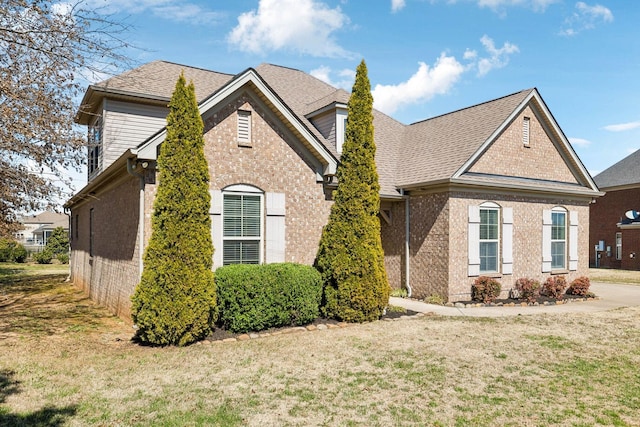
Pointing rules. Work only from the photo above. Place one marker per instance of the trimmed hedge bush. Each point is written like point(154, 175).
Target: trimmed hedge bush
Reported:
point(579, 286)
point(554, 286)
point(258, 297)
point(528, 289)
point(485, 289)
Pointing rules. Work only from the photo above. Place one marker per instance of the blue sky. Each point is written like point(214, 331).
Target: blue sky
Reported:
point(425, 57)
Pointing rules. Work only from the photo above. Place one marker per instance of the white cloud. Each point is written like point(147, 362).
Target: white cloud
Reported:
point(171, 10)
point(497, 5)
point(621, 127)
point(347, 77)
point(397, 5)
point(498, 57)
point(586, 17)
point(303, 26)
point(422, 86)
point(579, 142)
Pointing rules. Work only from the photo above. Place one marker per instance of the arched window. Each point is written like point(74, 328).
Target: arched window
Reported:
point(247, 225)
point(490, 239)
point(242, 228)
point(559, 240)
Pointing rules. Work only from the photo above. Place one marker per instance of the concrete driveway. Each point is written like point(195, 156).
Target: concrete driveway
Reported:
point(611, 296)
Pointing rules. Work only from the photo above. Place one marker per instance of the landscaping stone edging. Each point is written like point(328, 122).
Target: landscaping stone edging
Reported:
point(298, 329)
point(522, 304)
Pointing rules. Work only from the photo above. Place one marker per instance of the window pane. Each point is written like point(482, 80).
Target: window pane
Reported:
point(558, 228)
point(488, 224)
point(558, 254)
point(488, 256)
point(241, 252)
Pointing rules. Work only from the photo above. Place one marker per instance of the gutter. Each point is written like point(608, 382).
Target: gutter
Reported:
point(131, 165)
point(407, 261)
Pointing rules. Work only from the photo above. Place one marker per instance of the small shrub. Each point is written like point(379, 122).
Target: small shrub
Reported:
point(579, 286)
point(258, 297)
point(19, 254)
point(43, 257)
point(485, 289)
point(396, 309)
point(399, 292)
point(6, 248)
point(63, 258)
point(528, 289)
point(434, 299)
point(554, 286)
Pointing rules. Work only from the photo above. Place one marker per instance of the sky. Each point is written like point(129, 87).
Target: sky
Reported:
point(424, 57)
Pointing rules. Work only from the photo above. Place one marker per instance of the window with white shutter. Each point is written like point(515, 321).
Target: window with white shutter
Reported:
point(490, 241)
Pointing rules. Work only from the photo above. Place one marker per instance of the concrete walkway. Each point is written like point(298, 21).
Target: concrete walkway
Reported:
point(611, 296)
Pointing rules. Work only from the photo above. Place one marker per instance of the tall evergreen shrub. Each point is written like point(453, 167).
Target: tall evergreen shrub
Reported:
point(175, 301)
point(350, 256)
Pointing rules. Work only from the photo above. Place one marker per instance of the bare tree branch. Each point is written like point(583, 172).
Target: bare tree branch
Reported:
point(45, 48)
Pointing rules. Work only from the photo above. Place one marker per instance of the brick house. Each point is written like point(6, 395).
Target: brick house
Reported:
point(493, 189)
point(613, 238)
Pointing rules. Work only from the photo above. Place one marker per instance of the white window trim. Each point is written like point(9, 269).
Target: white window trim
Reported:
point(505, 239)
point(618, 246)
point(571, 240)
point(558, 210)
point(491, 207)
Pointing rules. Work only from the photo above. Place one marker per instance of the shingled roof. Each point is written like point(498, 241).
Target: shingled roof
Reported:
point(407, 156)
point(625, 172)
point(451, 139)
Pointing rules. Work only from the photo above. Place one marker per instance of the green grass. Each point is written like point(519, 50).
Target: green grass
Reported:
point(66, 361)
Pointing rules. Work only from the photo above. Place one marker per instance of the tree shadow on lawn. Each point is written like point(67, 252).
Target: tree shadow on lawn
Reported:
point(48, 416)
point(45, 305)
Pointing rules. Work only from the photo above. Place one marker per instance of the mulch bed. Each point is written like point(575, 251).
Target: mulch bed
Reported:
point(220, 334)
point(542, 300)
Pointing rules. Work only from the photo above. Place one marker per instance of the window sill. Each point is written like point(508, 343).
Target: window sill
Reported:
point(491, 274)
point(555, 272)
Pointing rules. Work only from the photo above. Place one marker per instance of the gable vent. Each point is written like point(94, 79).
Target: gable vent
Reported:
point(525, 131)
point(244, 127)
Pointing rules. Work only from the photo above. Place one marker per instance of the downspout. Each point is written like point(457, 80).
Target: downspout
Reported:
point(407, 262)
point(131, 169)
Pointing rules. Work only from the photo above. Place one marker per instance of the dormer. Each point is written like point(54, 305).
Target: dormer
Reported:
point(331, 122)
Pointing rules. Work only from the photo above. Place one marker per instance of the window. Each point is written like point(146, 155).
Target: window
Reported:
point(94, 141)
point(489, 239)
point(91, 232)
point(242, 228)
point(558, 239)
point(525, 131)
point(618, 246)
point(244, 128)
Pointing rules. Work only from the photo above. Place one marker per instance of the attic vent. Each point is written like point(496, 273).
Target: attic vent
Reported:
point(244, 128)
point(525, 131)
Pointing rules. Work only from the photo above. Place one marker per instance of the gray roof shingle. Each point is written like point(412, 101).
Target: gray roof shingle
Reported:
point(436, 148)
point(625, 172)
point(424, 152)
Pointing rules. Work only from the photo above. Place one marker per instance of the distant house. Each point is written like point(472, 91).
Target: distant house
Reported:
point(614, 238)
point(494, 189)
point(36, 229)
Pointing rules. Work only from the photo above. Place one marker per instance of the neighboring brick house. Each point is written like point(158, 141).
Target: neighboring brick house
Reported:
point(494, 189)
point(616, 237)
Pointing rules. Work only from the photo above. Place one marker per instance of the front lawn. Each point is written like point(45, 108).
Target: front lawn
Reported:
point(64, 361)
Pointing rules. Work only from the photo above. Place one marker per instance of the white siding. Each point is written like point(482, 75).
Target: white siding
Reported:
point(326, 125)
point(127, 125)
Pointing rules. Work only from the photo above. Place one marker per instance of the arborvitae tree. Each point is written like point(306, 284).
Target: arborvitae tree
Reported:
point(350, 256)
point(175, 301)
point(58, 242)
